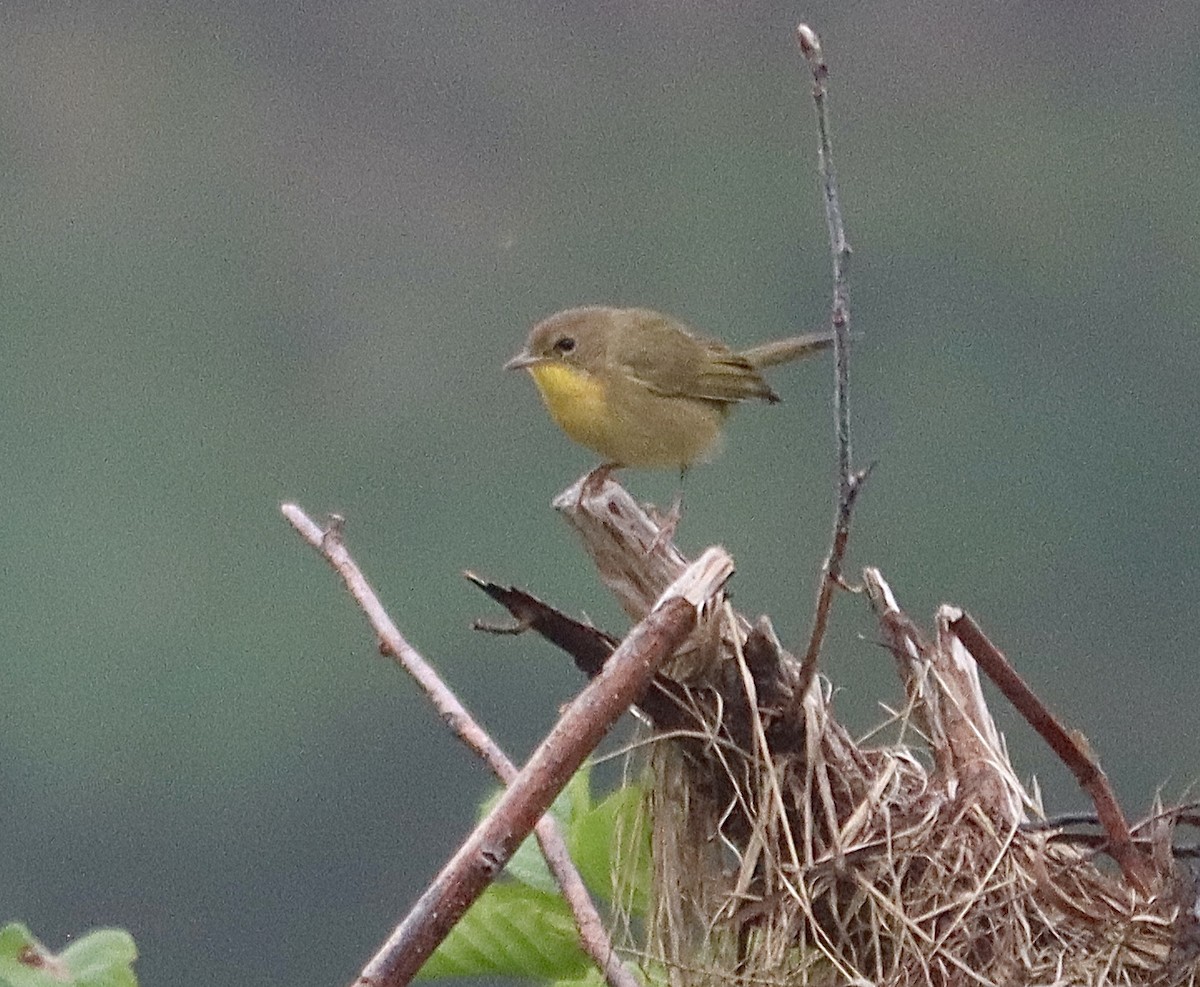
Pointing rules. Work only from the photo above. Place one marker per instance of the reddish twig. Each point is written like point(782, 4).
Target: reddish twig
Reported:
point(1070, 747)
point(487, 850)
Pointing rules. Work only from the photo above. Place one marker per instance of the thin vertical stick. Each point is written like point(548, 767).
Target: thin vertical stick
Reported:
point(849, 482)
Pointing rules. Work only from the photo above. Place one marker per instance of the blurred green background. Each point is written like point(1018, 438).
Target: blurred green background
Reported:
point(263, 251)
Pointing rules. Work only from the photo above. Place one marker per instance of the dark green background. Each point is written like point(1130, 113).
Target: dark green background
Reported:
point(278, 251)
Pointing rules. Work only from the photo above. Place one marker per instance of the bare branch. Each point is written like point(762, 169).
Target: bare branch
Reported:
point(849, 482)
point(623, 541)
point(486, 851)
point(1070, 747)
point(588, 645)
point(592, 934)
point(666, 703)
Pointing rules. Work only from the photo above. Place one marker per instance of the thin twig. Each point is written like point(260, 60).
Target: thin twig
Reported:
point(592, 934)
point(1071, 749)
point(849, 482)
point(484, 854)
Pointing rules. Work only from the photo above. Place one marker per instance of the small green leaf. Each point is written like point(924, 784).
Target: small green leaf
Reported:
point(655, 976)
point(612, 835)
point(592, 977)
point(514, 931)
point(528, 865)
point(520, 926)
point(103, 958)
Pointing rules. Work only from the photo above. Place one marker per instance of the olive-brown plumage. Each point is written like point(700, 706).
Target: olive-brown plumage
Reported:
point(640, 388)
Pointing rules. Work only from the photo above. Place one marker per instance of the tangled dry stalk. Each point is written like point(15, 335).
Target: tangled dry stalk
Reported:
point(786, 853)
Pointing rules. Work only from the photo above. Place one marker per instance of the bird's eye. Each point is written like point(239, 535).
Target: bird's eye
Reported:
point(564, 344)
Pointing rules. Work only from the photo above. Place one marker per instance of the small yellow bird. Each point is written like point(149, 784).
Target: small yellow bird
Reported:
point(640, 388)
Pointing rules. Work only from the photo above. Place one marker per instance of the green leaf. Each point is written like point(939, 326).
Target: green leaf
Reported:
point(103, 958)
point(512, 931)
point(654, 976)
point(591, 978)
point(613, 835)
point(520, 926)
point(528, 865)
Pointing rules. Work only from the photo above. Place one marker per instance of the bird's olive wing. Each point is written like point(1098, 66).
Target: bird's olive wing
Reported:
point(669, 360)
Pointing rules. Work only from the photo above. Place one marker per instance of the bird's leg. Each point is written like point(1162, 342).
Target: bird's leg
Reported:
point(593, 483)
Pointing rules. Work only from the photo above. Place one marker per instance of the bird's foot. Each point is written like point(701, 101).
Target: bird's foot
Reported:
point(594, 482)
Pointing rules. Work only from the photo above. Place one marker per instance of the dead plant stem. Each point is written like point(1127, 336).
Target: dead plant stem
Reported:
point(849, 482)
point(485, 853)
point(592, 934)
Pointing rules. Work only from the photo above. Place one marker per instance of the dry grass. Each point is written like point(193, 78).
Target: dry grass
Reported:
point(787, 854)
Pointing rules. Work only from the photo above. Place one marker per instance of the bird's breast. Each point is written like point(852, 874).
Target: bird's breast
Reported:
point(626, 422)
point(575, 400)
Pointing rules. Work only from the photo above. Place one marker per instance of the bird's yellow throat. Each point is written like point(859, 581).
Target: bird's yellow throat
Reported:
point(575, 400)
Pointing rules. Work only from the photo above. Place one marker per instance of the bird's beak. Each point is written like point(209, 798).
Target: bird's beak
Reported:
point(521, 360)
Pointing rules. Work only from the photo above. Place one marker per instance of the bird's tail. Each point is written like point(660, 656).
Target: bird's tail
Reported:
point(784, 350)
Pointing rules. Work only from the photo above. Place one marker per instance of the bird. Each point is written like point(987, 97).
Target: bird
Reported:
point(641, 388)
